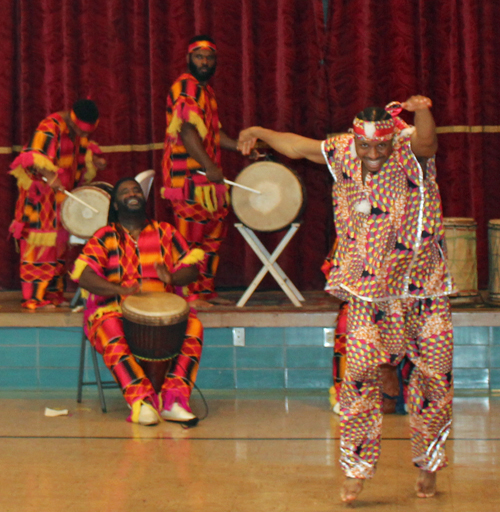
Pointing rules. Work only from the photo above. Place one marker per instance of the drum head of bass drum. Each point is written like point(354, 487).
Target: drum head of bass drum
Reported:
point(80, 220)
point(280, 200)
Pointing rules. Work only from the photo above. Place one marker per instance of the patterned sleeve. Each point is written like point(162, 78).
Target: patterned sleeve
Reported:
point(95, 254)
point(407, 158)
point(175, 245)
point(42, 149)
point(185, 108)
point(328, 149)
point(46, 138)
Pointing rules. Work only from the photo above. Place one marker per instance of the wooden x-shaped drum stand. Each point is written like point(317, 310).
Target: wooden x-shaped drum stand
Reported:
point(270, 265)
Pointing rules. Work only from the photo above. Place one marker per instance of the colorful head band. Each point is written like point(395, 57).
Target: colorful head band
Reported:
point(378, 130)
point(84, 126)
point(373, 130)
point(205, 45)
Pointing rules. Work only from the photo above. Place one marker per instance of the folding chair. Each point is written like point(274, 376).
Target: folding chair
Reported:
point(101, 384)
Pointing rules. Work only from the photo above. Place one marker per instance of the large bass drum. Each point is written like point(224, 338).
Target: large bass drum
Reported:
point(281, 200)
point(80, 220)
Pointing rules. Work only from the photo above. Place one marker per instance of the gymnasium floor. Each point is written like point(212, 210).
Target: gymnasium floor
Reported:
point(271, 451)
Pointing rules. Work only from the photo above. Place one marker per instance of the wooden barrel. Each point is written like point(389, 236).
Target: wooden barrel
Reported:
point(460, 235)
point(494, 260)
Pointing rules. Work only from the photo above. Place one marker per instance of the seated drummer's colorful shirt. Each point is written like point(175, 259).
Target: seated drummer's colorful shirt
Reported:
point(117, 257)
point(189, 101)
point(391, 242)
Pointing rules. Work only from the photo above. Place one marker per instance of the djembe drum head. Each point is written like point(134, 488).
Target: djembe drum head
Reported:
point(280, 202)
point(80, 220)
point(155, 324)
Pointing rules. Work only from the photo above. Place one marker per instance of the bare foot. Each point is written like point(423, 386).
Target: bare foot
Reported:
point(222, 302)
point(351, 489)
point(200, 304)
point(426, 484)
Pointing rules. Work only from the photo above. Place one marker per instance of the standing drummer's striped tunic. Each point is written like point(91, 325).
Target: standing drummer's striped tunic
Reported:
point(37, 224)
point(114, 255)
point(199, 205)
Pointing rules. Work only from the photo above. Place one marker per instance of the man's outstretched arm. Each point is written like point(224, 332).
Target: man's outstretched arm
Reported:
point(288, 144)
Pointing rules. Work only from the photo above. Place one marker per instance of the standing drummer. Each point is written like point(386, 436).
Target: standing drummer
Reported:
point(391, 267)
point(131, 254)
point(193, 143)
point(59, 156)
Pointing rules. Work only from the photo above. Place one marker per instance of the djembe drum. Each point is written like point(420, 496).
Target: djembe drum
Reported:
point(155, 324)
point(280, 202)
point(494, 260)
point(81, 221)
point(460, 236)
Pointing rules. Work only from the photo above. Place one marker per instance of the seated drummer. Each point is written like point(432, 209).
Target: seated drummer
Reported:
point(131, 254)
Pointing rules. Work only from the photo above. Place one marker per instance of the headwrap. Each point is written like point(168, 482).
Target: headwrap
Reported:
point(86, 127)
point(378, 130)
point(205, 45)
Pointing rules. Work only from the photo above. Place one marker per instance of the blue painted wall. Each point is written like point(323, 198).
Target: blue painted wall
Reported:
point(272, 358)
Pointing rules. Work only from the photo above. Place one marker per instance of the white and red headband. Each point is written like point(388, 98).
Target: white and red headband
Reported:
point(378, 130)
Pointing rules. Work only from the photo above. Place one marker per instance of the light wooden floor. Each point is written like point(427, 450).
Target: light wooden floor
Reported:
point(254, 452)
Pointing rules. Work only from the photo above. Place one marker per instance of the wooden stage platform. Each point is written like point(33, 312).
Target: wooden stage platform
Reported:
point(264, 309)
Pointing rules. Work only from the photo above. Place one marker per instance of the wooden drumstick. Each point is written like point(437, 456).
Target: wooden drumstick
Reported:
point(229, 182)
point(76, 198)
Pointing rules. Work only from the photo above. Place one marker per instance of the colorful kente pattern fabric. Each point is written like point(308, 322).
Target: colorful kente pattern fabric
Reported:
point(377, 334)
point(191, 102)
point(204, 231)
point(114, 255)
point(37, 213)
point(390, 231)
point(339, 353)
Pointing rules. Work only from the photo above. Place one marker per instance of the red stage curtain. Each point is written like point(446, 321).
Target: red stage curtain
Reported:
point(278, 67)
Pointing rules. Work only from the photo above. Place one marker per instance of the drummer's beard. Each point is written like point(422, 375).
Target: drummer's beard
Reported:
point(201, 76)
point(137, 212)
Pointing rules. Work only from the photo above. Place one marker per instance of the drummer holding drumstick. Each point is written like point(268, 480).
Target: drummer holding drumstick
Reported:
point(130, 254)
point(59, 156)
point(191, 166)
point(391, 267)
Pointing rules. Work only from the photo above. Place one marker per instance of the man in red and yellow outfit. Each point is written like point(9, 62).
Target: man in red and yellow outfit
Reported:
point(390, 266)
point(193, 143)
point(134, 253)
point(58, 157)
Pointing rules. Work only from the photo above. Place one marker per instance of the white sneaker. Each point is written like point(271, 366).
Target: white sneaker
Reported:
point(148, 415)
point(179, 414)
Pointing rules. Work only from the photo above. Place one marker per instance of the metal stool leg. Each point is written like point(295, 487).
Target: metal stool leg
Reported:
point(98, 379)
point(101, 384)
point(76, 297)
point(81, 368)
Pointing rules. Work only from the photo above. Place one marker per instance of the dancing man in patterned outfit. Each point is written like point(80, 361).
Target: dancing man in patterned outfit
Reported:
point(391, 267)
point(59, 156)
point(193, 143)
point(130, 254)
